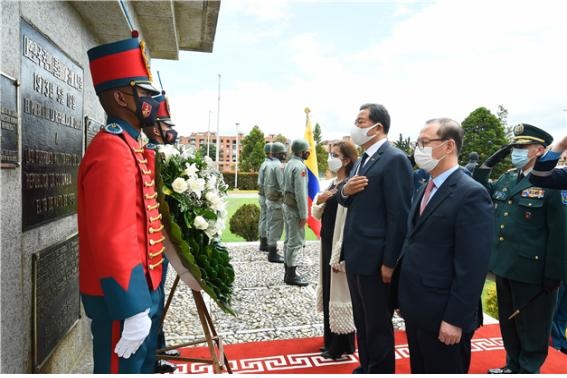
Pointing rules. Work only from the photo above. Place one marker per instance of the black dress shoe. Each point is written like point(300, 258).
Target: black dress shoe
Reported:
point(563, 350)
point(323, 349)
point(502, 370)
point(163, 366)
point(326, 354)
point(172, 353)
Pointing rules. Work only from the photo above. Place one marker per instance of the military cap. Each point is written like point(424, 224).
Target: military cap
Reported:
point(278, 147)
point(529, 134)
point(119, 64)
point(163, 113)
point(268, 148)
point(299, 145)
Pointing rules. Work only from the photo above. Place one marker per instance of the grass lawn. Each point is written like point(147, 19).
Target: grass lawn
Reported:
point(234, 204)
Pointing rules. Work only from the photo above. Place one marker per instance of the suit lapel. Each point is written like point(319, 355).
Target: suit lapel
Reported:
point(441, 194)
point(373, 159)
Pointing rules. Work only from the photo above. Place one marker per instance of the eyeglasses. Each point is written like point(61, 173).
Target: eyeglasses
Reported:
point(423, 143)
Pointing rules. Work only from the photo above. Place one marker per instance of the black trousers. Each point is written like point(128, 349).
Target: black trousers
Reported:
point(373, 321)
point(429, 355)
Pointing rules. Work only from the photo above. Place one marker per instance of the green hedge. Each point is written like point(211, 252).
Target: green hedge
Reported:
point(489, 299)
point(246, 180)
point(244, 222)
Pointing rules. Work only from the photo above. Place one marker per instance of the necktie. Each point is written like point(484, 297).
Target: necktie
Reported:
point(362, 161)
point(426, 196)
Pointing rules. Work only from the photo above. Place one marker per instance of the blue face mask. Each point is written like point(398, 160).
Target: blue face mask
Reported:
point(519, 157)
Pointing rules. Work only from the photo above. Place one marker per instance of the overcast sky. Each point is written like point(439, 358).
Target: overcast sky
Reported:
point(420, 59)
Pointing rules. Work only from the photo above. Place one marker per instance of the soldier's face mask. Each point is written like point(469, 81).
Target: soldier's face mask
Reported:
point(305, 155)
point(520, 157)
point(146, 108)
point(168, 136)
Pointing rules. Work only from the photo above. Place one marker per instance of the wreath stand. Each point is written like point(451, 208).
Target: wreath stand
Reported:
point(214, 341)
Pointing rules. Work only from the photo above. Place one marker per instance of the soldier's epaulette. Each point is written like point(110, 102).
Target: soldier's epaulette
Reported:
point(113, 128)
point(151, 146)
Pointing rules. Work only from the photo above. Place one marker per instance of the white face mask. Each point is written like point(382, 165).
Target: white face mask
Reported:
point(334, 164)
point(360, 136)
point(424, 158)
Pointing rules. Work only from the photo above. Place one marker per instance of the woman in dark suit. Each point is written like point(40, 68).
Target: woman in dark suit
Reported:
point(333, 297)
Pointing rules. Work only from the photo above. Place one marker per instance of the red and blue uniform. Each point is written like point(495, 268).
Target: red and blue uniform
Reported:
point(120, 230)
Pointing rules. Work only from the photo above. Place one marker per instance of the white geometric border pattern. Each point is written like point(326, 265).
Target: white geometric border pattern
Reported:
point(307, 360)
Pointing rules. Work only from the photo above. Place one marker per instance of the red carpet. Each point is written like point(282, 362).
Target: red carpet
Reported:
point(301, 356)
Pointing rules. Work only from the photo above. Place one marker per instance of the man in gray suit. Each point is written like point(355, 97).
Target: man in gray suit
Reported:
point(377, 196)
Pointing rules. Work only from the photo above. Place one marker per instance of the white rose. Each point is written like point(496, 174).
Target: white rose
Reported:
point(196, 185)
point(212, 197)
point(218, 205)
point(191, 169)
point(200, 223)
point(179, 185)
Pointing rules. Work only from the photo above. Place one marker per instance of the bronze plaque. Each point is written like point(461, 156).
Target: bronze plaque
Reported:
point(9, 122)
point(56, 301)
point(52, 129)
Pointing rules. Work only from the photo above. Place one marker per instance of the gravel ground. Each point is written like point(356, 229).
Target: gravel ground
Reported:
point(266, 308)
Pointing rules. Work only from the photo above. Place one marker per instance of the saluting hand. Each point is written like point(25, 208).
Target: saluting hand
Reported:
point(449, 334)
point(560, 146)
point(354, 185)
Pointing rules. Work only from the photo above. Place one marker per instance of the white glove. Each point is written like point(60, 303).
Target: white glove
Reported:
point(136, 329)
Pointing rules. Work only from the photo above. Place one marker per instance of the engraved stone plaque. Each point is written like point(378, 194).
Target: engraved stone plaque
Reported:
point(56, 300)
point(52, 129)
point(92, 127)
point(9, 121)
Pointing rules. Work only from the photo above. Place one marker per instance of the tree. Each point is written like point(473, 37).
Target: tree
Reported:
point(252, 154)
point(502, 115)
point(485, 134)
point(404, 144)
point(321, 152)
point(212, 150)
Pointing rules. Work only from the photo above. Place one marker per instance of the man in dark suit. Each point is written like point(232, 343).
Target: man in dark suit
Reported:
point(377, 196)
point(445, 255)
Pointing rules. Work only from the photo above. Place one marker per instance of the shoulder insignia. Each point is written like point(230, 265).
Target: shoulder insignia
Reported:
point(303, 173)
point(564, 197)
point(151, 146)
point(113, 128)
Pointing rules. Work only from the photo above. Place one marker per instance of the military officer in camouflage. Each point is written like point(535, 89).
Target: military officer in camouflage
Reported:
point(528, 254)
point(262, 223)
point(295, 210)
point(273, 190)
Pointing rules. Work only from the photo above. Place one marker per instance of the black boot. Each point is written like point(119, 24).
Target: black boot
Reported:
point(285, 274)
point(273, 256)
point(293, 278)
point(264, 244)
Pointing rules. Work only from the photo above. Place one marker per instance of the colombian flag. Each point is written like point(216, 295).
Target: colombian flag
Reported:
point(313, 175)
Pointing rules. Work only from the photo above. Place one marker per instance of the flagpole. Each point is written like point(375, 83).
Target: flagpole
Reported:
point(218, 125)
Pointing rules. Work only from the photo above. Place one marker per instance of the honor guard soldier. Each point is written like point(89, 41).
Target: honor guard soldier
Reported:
point(295, 210)
point(262, 223)
point(528, 254)
point(273, 190)
point(120, 230)
point(160, 133)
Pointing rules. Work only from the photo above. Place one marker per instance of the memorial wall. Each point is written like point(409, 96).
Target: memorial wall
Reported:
point(46, 100)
